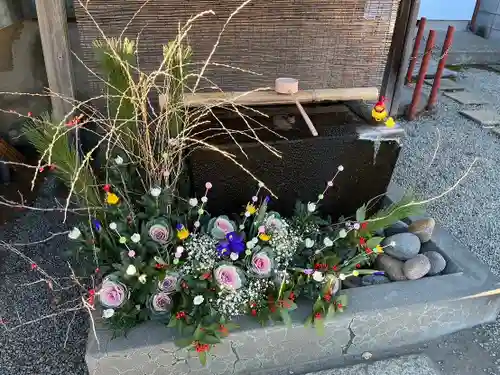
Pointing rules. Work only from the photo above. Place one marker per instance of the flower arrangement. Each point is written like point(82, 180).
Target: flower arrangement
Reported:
point(197, 273)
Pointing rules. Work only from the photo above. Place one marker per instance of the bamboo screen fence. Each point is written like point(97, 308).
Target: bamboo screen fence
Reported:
point(323, 43)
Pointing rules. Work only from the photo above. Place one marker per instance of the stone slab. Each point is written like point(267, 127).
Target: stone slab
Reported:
point(496, 131)
point(447, 85)
point(405, 365)
point(484, 117)
point(379, 318)
point(432, 69)
point(496, 68)
point(466, 97)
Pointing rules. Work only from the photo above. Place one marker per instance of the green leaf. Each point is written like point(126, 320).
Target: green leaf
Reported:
point(331, 311)
point(183, 343)
point(203, 358)
point(286, 317)
point(210, 339)
point(319, 305)
point(199, 334)
point(231, 326)
point(308, 321)
point(374, 241)
point(361, 213)
point(319, 325)
point(342, 299)
point(173, 322)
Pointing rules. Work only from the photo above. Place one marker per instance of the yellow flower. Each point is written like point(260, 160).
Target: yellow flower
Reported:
point(251, 208)
point(355, 273)
point(182, 232)
point(378, 249)
point(390, 123)
point(112, 198)
point(264, 237)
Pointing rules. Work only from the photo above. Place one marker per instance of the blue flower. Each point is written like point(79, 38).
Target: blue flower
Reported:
point(234, 243)
point(97, 225)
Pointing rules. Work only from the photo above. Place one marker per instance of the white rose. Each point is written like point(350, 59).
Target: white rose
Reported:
point(142, 278)
point(155, 192)
point(309, 243)
point(74, 233)
point(193, 202)
point(198, 300)
point(131, 270)
point(113, 226)
point(318, 276)
point(311, 207)
point(327, 242)
point(119, 160)
point(342, 233)
point(108, 313)
point(135, 238)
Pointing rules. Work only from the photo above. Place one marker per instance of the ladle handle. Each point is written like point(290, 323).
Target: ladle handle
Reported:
point(306, 118)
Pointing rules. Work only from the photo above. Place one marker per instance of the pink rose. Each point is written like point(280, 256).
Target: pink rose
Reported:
point(112, 294)
point(262, 263)
point(228, 276)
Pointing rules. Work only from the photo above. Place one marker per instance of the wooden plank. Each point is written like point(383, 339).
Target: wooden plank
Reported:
point(399, 55)
point(271, 97)
point(53, 25)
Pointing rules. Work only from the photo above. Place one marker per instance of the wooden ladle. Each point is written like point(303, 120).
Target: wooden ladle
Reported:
point(290, 86)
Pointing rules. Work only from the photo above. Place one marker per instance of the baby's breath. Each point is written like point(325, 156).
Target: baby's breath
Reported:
point(201, 254)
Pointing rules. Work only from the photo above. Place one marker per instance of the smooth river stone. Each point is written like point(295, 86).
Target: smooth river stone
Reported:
point(352, 282)
point(417, 267)
point(393, 268)
point(374, 280)
point(407, 246)
point(423, 229)
point(438, 263)
point(396, 228)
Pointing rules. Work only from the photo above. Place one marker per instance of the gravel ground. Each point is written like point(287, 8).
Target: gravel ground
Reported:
point(469, 212)
point(38, 347)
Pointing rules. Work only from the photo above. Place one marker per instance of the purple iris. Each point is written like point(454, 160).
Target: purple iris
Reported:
point(267, 200)
point(234, 243)
point(97, 225)
point(379, 273)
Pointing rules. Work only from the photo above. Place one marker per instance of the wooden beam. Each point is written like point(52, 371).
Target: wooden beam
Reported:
point(52, 21)
point(399, 55)
point(272, 97)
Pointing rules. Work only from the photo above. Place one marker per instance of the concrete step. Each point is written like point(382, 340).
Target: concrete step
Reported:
point(405, 365)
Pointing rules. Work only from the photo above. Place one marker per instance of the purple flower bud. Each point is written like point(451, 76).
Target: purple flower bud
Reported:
point(179, 226)
point(97, 225)
point(308, 271)
point(379, 273)
point(267, 200)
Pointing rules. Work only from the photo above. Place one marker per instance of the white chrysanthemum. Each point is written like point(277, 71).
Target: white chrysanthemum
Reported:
point(311, 207)
point(309, 243)
point(135, 238)
point(131, 270)
point(108, 313)
point(198, 300)
point(119, 160)
point(142, 279)
point(327, 242)
point(318, 276)
point(342, 233)
point(113, 225)
point(234, 256)
point(155, 192)
point(193, 202)
point(74, 233)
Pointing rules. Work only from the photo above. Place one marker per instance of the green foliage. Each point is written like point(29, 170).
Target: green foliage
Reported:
point(406, 207)
point(53, 142)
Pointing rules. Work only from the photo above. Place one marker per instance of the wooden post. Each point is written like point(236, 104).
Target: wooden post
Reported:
point(52, 21)
point(416, 49)
point(399, 55)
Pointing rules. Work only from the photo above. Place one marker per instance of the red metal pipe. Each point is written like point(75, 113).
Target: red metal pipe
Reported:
point(439, 72)
point(412, 110)
point(416, 47)
point(474, 16)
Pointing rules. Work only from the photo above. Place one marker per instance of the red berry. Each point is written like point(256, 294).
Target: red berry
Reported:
point(41, 169)
point(254, 312)
point(335, 268)
point(33, 266)
point(339, 305)
point(362, 241)
point(327, 297)
point(106, 188)
point(358, 265)
point(292, 296)
point(30, 114)
point(97, 270)
point(364, 225)
point(317, 315)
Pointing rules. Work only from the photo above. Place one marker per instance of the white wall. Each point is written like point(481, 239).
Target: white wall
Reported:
point(457, 10)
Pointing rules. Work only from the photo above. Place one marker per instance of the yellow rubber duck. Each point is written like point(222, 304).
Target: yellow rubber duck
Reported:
point(390, 123)
point(379, 113)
